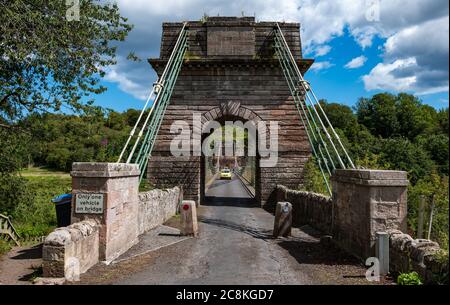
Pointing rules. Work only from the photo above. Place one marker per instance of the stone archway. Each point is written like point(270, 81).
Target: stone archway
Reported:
point(231, 111)
point(239, 79)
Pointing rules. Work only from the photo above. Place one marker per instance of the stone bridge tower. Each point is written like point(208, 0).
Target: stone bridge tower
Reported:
point(230, 72)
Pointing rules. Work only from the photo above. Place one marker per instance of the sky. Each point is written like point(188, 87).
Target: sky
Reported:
point(360, 47)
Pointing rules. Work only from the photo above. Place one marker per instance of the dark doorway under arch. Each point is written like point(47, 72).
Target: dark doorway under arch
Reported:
point(244, 188)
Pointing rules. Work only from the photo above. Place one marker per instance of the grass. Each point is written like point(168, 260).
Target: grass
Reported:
point(43, 172)
point(38, 217)
point(4, 246)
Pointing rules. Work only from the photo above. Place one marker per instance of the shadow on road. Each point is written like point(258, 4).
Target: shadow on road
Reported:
point(218, 183)
point(254, 232)
point(30, 253)
point(313, 252)
point(230, 201)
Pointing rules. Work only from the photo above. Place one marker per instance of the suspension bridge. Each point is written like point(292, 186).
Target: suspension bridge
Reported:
point(228, 64)
point(220, 70)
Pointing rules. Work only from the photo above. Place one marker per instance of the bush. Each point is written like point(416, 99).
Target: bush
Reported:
point(441, 258)
point(313, 179)
point(13, 190)
point(437, 186)
point(37, 217)
point(409, 279)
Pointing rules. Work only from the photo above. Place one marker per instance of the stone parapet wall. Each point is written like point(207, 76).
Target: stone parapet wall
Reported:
point(308, 208)
point(157, 206)
point(104, 236)
point(407, 254)
point(72, 250)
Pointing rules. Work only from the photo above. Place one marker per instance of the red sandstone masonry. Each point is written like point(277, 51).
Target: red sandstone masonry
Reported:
point(246, 75)
point(91, 238)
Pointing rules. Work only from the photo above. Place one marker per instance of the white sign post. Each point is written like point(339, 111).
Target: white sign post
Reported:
point(89, 203)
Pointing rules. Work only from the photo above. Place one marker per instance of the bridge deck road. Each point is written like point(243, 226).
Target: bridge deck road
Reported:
point(235, 247)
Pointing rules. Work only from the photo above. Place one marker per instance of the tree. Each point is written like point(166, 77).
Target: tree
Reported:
point(49, 62)
point(413, 117)
point(340, 116)
point(401, 154)
point(442, 117)
point(437, 147)
point(379, 114)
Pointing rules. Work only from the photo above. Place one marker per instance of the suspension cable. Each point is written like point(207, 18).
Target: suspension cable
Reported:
point(309, 89)
point(158, 92)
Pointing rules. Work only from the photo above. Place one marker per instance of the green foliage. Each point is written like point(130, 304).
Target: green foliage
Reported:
point(36, 216)
point(49, 62)
point(13, 149)
point(401, 154)
point(441, 258)
point(398, 132)
point(13, 190)
point(313, 179)
point(433, 187)
point(63, 139)
point(409, 279)
point(387, 115)
point(437, 146)
point(4, 246)
point(378, 114)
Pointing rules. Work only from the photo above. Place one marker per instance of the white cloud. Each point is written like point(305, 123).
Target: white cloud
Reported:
point(321, 65)
point(322, 51)
point(415, 60)
point(404, 23)
point(381, 76)
point(356, 62)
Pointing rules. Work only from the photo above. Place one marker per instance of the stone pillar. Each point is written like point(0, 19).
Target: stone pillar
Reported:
point(365, 202)
point(108, 193)
point(283, 219)
point(188, 218)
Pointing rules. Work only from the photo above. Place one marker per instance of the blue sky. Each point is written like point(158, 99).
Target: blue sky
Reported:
point(401, 51)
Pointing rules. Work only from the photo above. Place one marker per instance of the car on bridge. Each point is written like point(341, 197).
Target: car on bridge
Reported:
point(225, 174)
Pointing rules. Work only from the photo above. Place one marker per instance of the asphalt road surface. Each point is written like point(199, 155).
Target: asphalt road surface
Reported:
point(235, 247)
point(223, 191)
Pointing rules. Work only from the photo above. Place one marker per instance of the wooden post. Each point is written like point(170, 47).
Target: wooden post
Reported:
point(420, 217)
point(431, 217)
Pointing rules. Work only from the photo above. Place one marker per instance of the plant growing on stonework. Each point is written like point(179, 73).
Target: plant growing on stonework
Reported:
point(441, 258)
point(411, 278)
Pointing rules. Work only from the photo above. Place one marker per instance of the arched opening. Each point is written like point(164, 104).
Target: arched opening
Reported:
point(242, 186)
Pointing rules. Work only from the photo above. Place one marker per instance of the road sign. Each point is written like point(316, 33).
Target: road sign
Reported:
point(89, 203)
